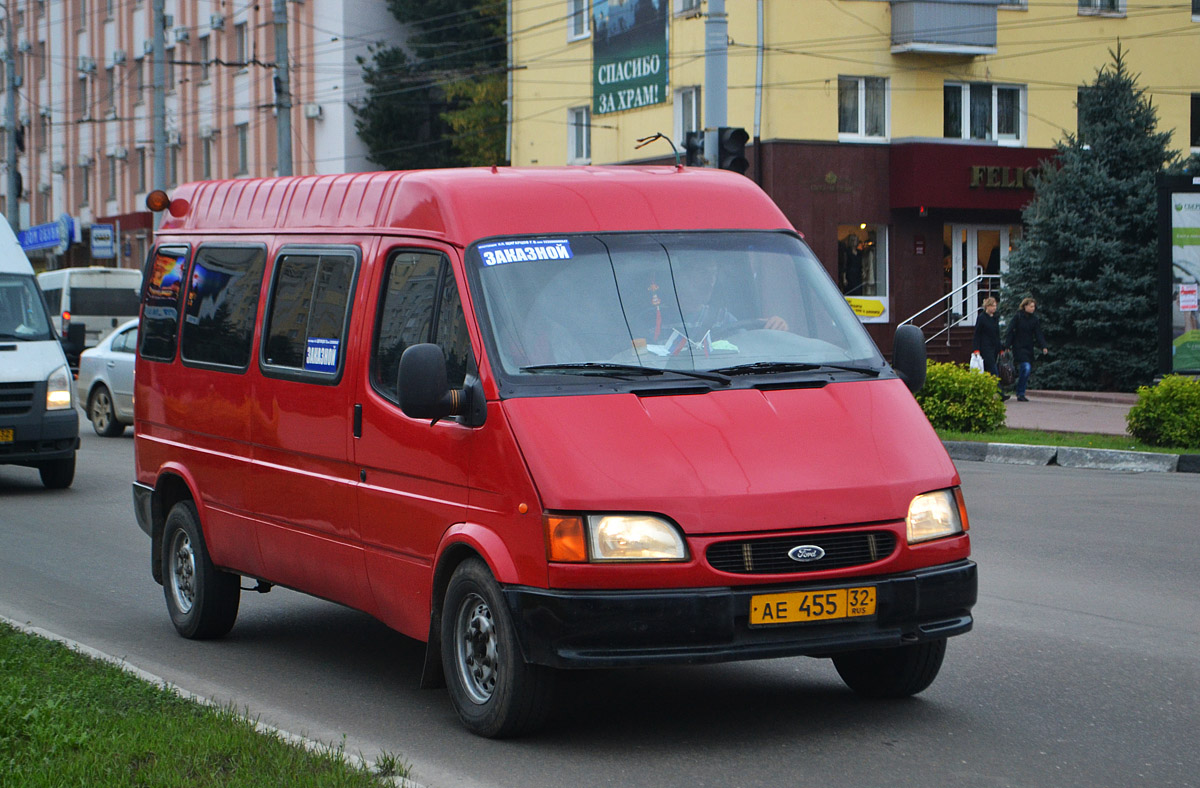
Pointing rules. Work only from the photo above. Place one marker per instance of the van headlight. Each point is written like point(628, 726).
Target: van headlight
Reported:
point(58, 389)
point(612, 537)
point(935, 515)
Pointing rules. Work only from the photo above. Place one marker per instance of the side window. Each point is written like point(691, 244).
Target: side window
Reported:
point(54, 300)
point(222, 304)
point(126, 341)
point(306, 315)
point(408, 309)
point(164, 277)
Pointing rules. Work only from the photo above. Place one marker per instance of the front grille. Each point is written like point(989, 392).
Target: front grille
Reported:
point(16, 398)
point(770, 556)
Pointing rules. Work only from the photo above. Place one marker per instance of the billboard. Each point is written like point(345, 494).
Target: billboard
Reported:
point(629, 54)
point(1179, 274)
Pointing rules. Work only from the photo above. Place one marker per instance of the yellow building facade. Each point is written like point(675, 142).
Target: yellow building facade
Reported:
point(898, 135)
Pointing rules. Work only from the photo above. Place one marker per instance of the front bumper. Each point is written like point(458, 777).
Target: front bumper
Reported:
point(586, 629)
point(40, 435)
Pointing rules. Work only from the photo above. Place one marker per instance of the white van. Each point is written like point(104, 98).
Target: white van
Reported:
point(97, 298)
point(39, 426)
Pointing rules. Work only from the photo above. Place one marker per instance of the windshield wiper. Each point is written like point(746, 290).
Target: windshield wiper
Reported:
point(620, 370)
point(794, 366)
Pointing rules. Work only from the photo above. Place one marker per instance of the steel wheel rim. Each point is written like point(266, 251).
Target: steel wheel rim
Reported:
point(100, 410)
point(475, 648)
point(182, 571)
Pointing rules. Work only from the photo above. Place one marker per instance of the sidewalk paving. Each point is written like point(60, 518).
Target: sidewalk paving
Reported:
point(1072, 411)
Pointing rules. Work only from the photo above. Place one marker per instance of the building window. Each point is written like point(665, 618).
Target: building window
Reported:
point(579, 136)
point(139, 80)
point(206, 151)
point(204, 58)
point(1196, 120)
point(169, 71)
point(141, 171)
point(85, 184)
point(81, 98)
point(110, 87)
point(239, 44)
point(687, 111)
point(862, 107)
point(1195, 7)
point(983, 111)
point(172, 165)
point(686, 6)
point(243, 149)
point(1102, 6)
point(111, 192)
point(577, 19)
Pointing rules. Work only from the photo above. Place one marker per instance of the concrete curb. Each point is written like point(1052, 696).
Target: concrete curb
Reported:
point(1068, 457)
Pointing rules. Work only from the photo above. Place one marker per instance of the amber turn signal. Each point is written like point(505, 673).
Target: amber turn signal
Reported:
point(157, 200)
point(564, 538)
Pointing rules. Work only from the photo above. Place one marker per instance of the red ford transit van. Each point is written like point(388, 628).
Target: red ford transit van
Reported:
point(540, 419)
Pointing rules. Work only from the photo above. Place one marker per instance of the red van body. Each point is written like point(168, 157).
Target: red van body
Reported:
point(561, 502)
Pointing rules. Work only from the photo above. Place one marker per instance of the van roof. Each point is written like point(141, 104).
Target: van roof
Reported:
point(12, 256)
point(462, 205)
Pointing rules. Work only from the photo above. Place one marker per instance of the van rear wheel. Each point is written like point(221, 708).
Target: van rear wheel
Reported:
point(495, 692)
point(892, 672)
point(202, 600)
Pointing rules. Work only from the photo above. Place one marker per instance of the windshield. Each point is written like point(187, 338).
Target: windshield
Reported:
point(726, 302)
point(22, 314)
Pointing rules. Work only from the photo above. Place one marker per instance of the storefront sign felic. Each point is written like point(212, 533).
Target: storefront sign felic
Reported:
point(984, 177)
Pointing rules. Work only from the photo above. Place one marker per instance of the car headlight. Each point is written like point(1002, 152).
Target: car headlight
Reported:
point(58, 389)
point(612, 537)
point(935, 515)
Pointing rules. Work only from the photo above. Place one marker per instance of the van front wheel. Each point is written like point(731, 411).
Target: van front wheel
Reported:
point(57, 474)
point(892, 672)
point(202, 600)
point(495, 692)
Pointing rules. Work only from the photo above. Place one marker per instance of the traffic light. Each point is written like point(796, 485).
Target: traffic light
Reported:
point(731, 149)
point(693, 146)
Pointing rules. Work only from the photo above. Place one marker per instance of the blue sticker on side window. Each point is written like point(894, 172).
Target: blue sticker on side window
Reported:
point(321, 355)
point(521, 251)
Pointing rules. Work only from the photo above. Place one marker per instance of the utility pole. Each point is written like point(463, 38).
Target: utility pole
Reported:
point(10, 110)
point(716, 77)
point(283, 90)
point(159, 104)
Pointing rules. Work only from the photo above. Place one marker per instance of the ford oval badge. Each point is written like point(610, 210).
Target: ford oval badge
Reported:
point(805, 553)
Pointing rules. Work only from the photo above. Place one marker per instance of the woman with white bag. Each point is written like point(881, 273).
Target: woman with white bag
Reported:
point(985, 347)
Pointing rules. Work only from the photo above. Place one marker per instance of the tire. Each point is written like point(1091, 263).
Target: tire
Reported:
point(103, 415)
point(58, 474)
point(892, 672)
point(202, 600)
point(495, 692)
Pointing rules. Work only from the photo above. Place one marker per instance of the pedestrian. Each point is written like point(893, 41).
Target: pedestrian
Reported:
point(1024, 336)
point(986, 343)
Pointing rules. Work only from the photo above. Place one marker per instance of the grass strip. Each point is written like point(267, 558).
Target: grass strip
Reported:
point(68, 719)
point(1081, 440)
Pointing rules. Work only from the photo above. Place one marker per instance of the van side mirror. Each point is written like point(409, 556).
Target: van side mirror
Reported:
point(422, 387)
point(908, 356)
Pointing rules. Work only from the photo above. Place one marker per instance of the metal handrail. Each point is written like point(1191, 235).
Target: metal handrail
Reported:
point(951, 317)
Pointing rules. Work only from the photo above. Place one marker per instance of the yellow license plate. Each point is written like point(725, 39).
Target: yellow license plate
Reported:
point(796, 607)
point(6, 435)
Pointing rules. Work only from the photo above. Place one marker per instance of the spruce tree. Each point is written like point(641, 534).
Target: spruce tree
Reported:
point(1088, 252)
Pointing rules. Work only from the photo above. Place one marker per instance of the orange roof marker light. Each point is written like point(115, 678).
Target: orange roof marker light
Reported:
point(158, 201)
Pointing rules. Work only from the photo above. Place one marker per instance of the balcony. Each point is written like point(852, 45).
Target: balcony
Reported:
point(944, 27)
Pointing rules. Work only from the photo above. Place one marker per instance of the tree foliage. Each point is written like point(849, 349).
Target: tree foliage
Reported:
point(437, 99)
point(1088, 255)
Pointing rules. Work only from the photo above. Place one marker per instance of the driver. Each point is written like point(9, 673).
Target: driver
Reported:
point(701, 303)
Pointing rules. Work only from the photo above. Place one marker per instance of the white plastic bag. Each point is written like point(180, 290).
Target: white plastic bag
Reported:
point(976, 362)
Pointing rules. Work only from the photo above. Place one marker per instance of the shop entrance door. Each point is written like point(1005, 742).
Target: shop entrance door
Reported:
point(979, 257)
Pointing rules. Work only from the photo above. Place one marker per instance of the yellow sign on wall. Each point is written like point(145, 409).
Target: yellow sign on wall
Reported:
point(867, 307)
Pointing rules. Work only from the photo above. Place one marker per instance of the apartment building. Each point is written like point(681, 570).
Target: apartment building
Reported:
point(898, 135)
point(84, 75)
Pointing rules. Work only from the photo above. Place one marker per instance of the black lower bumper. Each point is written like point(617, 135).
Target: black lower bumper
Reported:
point(584, 629)
point(40, 435)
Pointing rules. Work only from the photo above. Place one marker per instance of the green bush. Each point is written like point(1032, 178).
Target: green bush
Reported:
point(1167, 414)
point(956, 398)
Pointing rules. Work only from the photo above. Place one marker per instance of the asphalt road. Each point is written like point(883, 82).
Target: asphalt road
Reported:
point(1082, 669)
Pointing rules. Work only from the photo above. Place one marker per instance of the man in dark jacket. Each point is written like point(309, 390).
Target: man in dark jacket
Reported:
point(987, 338)
point(1024, 335)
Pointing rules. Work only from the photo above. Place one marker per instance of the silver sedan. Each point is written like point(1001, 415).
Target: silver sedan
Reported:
point(105, 382)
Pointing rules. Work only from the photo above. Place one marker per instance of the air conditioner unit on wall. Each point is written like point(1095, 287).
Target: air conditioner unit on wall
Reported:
point(58, 167)
point(85, 160)
point(313, 111)
point(173, 138)
point(87, 64)
point(182, 34)
point(207, 132)
point(148, 47)
point(118, 57)
point(24, 45)
point(216, 22)
point(119, 153)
